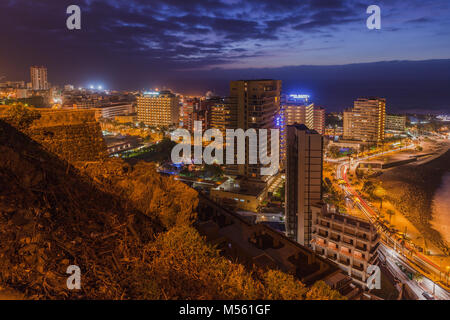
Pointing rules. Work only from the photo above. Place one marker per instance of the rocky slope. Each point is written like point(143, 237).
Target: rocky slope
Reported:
point(127, 228)
point(52, 216)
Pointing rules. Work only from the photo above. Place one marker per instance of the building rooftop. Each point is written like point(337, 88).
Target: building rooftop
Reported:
point(255, 80)
point(302, 127)
point(258, 244)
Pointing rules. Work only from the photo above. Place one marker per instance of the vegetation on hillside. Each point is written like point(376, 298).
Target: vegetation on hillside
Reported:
point(21, 116)
point(127, 228)
point(180, 258)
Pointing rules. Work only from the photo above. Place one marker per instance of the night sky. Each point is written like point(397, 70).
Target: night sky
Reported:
point(195, 46)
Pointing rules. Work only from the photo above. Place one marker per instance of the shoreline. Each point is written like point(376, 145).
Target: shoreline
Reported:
point(412, 189)
point(441, 208)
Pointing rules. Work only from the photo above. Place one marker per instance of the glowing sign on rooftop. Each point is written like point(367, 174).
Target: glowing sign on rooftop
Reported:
point(151, 93)
point(299, 96)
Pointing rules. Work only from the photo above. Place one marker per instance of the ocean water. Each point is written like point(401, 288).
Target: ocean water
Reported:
point(441, 209)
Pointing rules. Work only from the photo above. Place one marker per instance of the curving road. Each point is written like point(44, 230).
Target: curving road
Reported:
point(391, 242)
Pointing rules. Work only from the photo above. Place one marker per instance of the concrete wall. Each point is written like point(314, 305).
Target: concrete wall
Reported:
point(74, 135)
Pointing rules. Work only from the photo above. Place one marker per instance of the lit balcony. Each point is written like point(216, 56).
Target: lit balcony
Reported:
point(331, 256)
point(358, 267)
point(335, 238)
point(323, 233)
point(361, 247)
point(350, 242)
point(320, 251)
point(345, 262)
point(357, 277)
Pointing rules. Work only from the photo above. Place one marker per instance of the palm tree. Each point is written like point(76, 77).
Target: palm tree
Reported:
point(380, 193)
point(390, 213)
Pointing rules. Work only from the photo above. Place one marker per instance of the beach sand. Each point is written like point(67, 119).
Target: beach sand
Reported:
point(441, 209)
point(413, 189)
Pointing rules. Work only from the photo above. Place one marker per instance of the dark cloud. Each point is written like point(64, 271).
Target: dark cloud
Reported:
point(136, 42)
point(420, 20)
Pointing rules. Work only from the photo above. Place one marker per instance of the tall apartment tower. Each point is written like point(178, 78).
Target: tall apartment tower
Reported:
point(304, 163)
point(254, 104)
point(224, 114)
point(296, 109)
point(39, 78)
point(319, 120)
point(158, 108)
point(366, 121)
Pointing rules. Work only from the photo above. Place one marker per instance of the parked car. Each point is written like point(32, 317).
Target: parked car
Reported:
point(427, 296)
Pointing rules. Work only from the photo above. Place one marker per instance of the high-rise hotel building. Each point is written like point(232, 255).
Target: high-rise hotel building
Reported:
point(251, 104)
point(158, 108)
point(366, 121)
point(39, 78)
point(224, 114)
point(304, 163)
point(296, 109)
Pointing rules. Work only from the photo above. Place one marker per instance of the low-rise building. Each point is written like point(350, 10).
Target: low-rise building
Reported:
point(13, 84)
point(131, 118)
point(259, 245)
point(116, 145)
point(237, 194)
point(348, 241)
point(351, 144)
point(112, 110)
point(395, 122)
point(334, 132)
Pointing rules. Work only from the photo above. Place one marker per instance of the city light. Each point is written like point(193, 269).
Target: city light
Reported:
point(151, 93)
point(208, 172)
point(299, 96)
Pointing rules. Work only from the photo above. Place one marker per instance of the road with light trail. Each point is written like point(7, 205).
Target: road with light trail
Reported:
point(393, 243)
